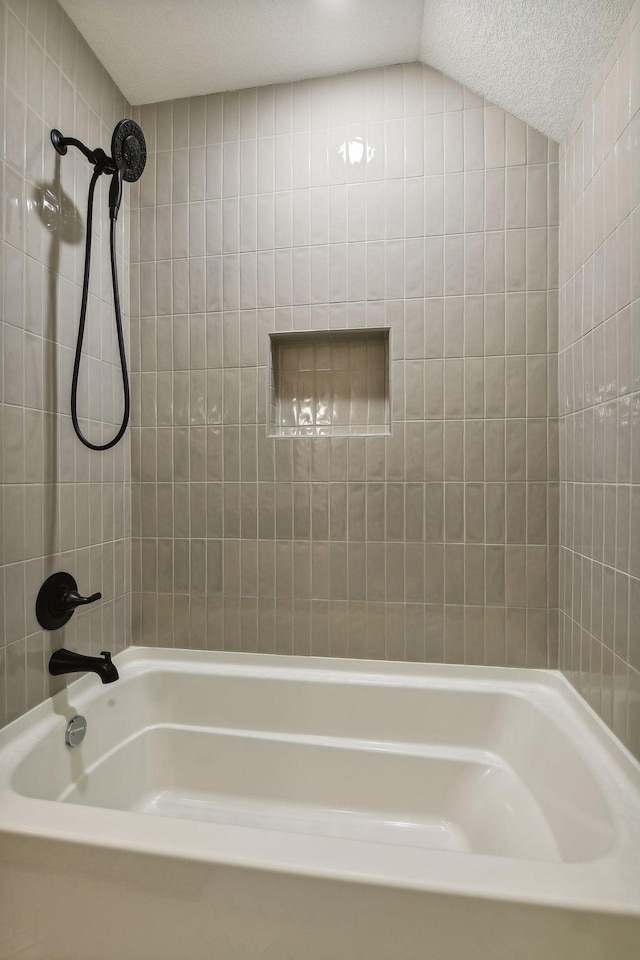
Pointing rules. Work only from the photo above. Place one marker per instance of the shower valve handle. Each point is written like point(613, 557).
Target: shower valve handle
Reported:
point(57, 600)
point(72, 599)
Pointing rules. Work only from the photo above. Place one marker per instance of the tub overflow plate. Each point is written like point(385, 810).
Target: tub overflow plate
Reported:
point(76, 730)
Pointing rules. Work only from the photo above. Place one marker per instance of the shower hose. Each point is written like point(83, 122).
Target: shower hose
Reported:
point(83, 317)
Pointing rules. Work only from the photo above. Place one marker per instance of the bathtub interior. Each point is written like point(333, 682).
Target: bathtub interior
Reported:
point(482, 769)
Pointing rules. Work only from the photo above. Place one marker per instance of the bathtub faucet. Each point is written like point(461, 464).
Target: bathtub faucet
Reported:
point(66, 661)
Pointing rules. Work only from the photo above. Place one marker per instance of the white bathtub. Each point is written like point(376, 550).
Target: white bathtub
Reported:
point(236, 807)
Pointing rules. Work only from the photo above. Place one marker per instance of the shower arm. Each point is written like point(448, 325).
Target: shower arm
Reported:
point(97, 157)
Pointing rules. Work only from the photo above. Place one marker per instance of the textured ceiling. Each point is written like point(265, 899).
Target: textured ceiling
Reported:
point(534, 58)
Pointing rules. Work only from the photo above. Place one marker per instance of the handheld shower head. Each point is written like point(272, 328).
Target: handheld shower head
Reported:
point(129, 155)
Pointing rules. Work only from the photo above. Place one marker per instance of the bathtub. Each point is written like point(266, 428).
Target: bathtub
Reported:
point(255, 807)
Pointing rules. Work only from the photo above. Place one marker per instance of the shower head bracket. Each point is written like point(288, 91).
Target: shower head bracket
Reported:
point(97, 157)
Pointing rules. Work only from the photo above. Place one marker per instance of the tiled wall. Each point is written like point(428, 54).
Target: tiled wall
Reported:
point(600, 391)
point(63, 507)
point(392, 197)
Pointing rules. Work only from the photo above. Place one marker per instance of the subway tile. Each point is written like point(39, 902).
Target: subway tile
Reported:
point(395, 174)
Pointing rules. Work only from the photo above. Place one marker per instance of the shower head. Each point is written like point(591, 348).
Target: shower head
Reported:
point(129, 154)
point(129, 149)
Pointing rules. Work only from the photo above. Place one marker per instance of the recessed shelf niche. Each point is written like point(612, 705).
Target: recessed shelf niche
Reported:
point(329, 383)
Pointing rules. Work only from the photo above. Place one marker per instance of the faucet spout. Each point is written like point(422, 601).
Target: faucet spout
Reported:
point(66, 661)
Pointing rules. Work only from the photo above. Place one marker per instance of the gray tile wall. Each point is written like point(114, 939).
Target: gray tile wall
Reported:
point(61, 506)
point(393, 197)
point(600, 391)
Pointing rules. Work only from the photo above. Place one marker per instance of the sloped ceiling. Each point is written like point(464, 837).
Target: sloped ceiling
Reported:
point(534, 58)
point(165, 49)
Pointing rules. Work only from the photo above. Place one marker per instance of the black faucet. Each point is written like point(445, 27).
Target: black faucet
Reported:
point(66, 661)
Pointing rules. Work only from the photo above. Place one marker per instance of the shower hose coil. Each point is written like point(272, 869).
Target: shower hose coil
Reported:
point(83, 317)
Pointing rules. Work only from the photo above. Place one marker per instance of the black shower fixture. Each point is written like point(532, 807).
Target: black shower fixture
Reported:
point(127, 161)
point(57, 600)
point(129, 154)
